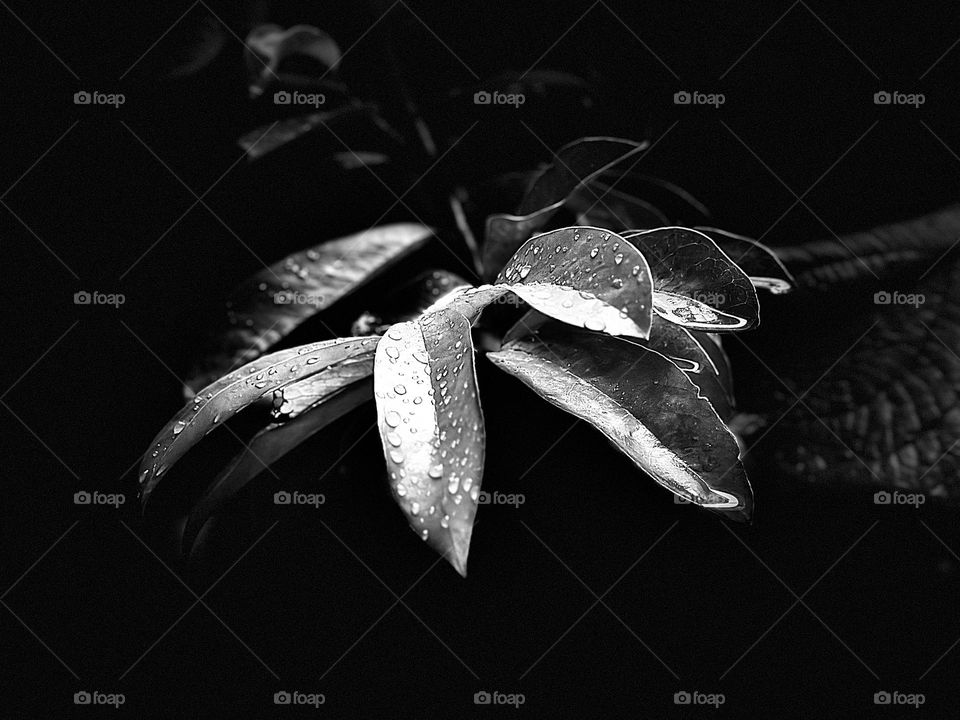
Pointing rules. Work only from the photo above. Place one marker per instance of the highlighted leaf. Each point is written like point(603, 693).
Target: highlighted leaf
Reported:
point(269, 305)
point(431, 427)
point(644, 404)
point(600, 267)
point(218, 402)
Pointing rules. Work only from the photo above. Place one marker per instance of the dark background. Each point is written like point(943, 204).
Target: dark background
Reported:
point(291, 609)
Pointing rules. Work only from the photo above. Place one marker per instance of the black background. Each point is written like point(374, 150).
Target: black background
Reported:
point(315, 582)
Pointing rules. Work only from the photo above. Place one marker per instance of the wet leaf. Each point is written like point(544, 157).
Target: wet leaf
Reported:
point(643, 403)
point(605, 281)
point(431, 428)
point(765, 269)
point(269, 46)
point(269, 305)
point(574, 165)
point(695, 284)
point(303, 409)
point(218, 402)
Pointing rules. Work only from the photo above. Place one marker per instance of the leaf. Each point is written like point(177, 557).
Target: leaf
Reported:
point(223, 399)
point(668, 188)
point(874, 252)
point(643, 403)
point(192, 45)
point(766, 270)
point(268, 46)
point(267, 138)
point(604, 206)
point(695, 356)
point(880, 403)
point(307, 407)
point(432, 428)
point(574, 165)
point(695, 283)
point(359, 159)
point(409, 302)
point(270, 304)
point(607, 284)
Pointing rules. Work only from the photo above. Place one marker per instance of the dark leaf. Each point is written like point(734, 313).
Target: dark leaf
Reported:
point(573, 165)
point(765, 269)
point(432, 429)
point(643, 403)
point(603, 206)
point(695, 355)
point(269, 305)
point(695, 283)
point(875, 252)
point(267, 138)
point(218, 402)
point(269, 46)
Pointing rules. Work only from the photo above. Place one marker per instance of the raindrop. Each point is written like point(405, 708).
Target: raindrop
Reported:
point(400, 389)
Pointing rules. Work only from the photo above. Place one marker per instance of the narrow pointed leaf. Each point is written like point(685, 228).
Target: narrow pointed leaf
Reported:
point(644, 404)
point(574, 165)
point(766, 270)
point(218, 402)
point(269, 305)
point(688, 264)
point(431, 427)
point(315, 403)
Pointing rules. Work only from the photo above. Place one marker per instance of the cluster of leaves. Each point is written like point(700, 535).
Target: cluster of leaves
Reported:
point(621, 329)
